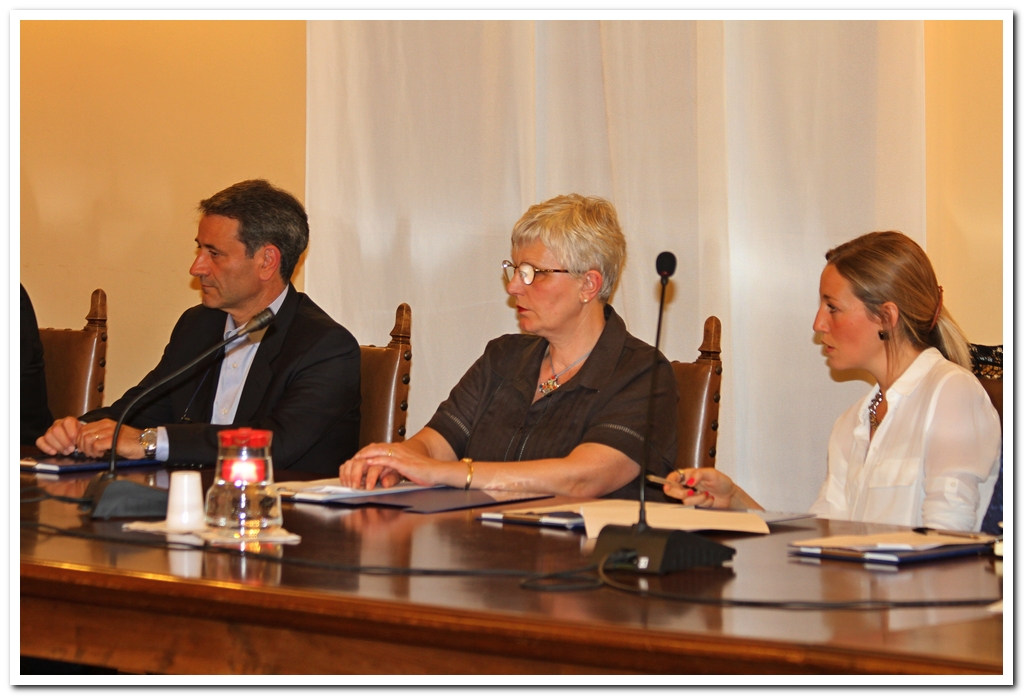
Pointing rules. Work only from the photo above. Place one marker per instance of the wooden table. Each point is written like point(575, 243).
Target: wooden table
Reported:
point(153, 610)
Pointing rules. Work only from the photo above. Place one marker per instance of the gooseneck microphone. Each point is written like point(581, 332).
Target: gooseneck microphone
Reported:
point(665, 265)
point(641, 547)
point(112, 498)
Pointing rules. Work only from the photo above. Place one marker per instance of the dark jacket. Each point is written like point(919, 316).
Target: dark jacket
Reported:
point(35, 413)
point(303, 385)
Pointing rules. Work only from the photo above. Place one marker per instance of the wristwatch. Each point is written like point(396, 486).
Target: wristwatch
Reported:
point(147, 438)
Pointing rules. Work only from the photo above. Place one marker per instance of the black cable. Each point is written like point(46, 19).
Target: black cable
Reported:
point(561, 581)
point(792, 605)
point(46, 495)
point(545, 582)
point(302, 562)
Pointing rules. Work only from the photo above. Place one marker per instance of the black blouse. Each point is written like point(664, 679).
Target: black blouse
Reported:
point(490, 415)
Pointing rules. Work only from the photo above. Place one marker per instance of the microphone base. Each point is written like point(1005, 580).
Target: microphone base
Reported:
point(113, 497)
point(659, 551)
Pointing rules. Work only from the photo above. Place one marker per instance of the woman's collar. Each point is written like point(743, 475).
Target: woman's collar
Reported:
point(916, 371)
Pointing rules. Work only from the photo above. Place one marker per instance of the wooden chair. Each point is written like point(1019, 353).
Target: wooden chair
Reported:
point(384, 387)
point(700, 384)
point(76, 362)
point(987, 363)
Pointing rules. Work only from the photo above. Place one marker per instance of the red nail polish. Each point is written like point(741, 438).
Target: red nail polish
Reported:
point(690, 482)
point(689, 493)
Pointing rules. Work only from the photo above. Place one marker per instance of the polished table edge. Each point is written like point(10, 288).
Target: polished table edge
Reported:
point(507, 634)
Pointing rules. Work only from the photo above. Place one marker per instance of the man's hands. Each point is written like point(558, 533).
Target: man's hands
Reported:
point(67, 435)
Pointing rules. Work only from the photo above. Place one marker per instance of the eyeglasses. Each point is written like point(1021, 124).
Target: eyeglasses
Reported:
point(526, 271)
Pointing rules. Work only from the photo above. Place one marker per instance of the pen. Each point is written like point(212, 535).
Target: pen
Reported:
point(658, 479)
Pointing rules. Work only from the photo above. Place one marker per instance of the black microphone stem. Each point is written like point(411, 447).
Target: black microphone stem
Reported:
point(112, 471)
point(640, 547)
point(641, 524)
point(264, 318)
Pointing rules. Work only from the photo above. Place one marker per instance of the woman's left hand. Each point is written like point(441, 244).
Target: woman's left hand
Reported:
point(386, 463)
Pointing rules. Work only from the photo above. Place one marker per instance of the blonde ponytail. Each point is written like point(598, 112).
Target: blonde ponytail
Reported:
point(949, 338)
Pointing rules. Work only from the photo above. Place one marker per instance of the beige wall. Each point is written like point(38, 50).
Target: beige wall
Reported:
point(125, 126)
point(964, 151)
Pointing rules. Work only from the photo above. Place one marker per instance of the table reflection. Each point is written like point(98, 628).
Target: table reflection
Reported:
point(243, 567)
point(339, 540)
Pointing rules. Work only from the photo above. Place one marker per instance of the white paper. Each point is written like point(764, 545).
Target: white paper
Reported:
point(668, 516)
point(324, 490)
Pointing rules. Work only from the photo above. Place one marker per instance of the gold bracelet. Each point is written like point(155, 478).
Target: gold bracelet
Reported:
point(469, 476)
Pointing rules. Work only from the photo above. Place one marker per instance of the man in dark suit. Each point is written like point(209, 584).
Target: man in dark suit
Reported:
point(298, 378)
point(35, 412)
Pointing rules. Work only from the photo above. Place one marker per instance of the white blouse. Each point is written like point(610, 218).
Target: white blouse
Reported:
point(933, 461)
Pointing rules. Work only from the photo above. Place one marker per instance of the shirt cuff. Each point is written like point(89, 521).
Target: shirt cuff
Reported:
point(163, 445)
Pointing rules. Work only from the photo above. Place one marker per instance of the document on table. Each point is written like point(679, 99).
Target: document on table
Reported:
point(328, 490)
point(895, 547)
point(419, 499)
point(894, 541)
point(661, 515)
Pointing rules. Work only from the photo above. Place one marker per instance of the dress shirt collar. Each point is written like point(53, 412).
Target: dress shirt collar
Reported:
point(904, 385)
point(230, 328)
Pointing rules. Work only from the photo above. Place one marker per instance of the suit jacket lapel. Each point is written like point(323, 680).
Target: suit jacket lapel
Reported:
point(206, 392)
point(196, 400)
point(260, 373)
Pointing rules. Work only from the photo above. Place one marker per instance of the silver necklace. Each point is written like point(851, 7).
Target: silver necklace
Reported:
point(549, 385)
point(873, 410)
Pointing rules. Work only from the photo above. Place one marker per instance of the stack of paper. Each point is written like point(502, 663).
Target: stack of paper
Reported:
point(895, 547)
point(328, 490)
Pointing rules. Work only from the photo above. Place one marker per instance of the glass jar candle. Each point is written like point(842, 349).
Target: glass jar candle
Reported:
point(243, 502)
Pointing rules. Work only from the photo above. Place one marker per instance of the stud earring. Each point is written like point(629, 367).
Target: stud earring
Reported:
point(883, 335)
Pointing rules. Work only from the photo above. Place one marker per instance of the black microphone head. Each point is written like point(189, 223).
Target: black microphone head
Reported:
point(261, 320)
point(666, 264)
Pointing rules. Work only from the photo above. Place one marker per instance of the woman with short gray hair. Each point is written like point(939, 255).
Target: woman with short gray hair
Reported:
point(560, 408)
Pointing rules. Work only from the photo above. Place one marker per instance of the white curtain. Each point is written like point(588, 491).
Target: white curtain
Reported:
point(746, 148)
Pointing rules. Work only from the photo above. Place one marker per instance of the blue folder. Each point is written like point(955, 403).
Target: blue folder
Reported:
point(890, 556)
point(66, 465)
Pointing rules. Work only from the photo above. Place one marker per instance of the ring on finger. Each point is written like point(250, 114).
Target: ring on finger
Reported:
point(391, 451)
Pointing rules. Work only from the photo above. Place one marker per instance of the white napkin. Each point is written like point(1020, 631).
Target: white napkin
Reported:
point(274, 536)
point(210, 535)
point(161, 528)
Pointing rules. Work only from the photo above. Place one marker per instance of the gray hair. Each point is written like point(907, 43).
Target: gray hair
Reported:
point(581, 231)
